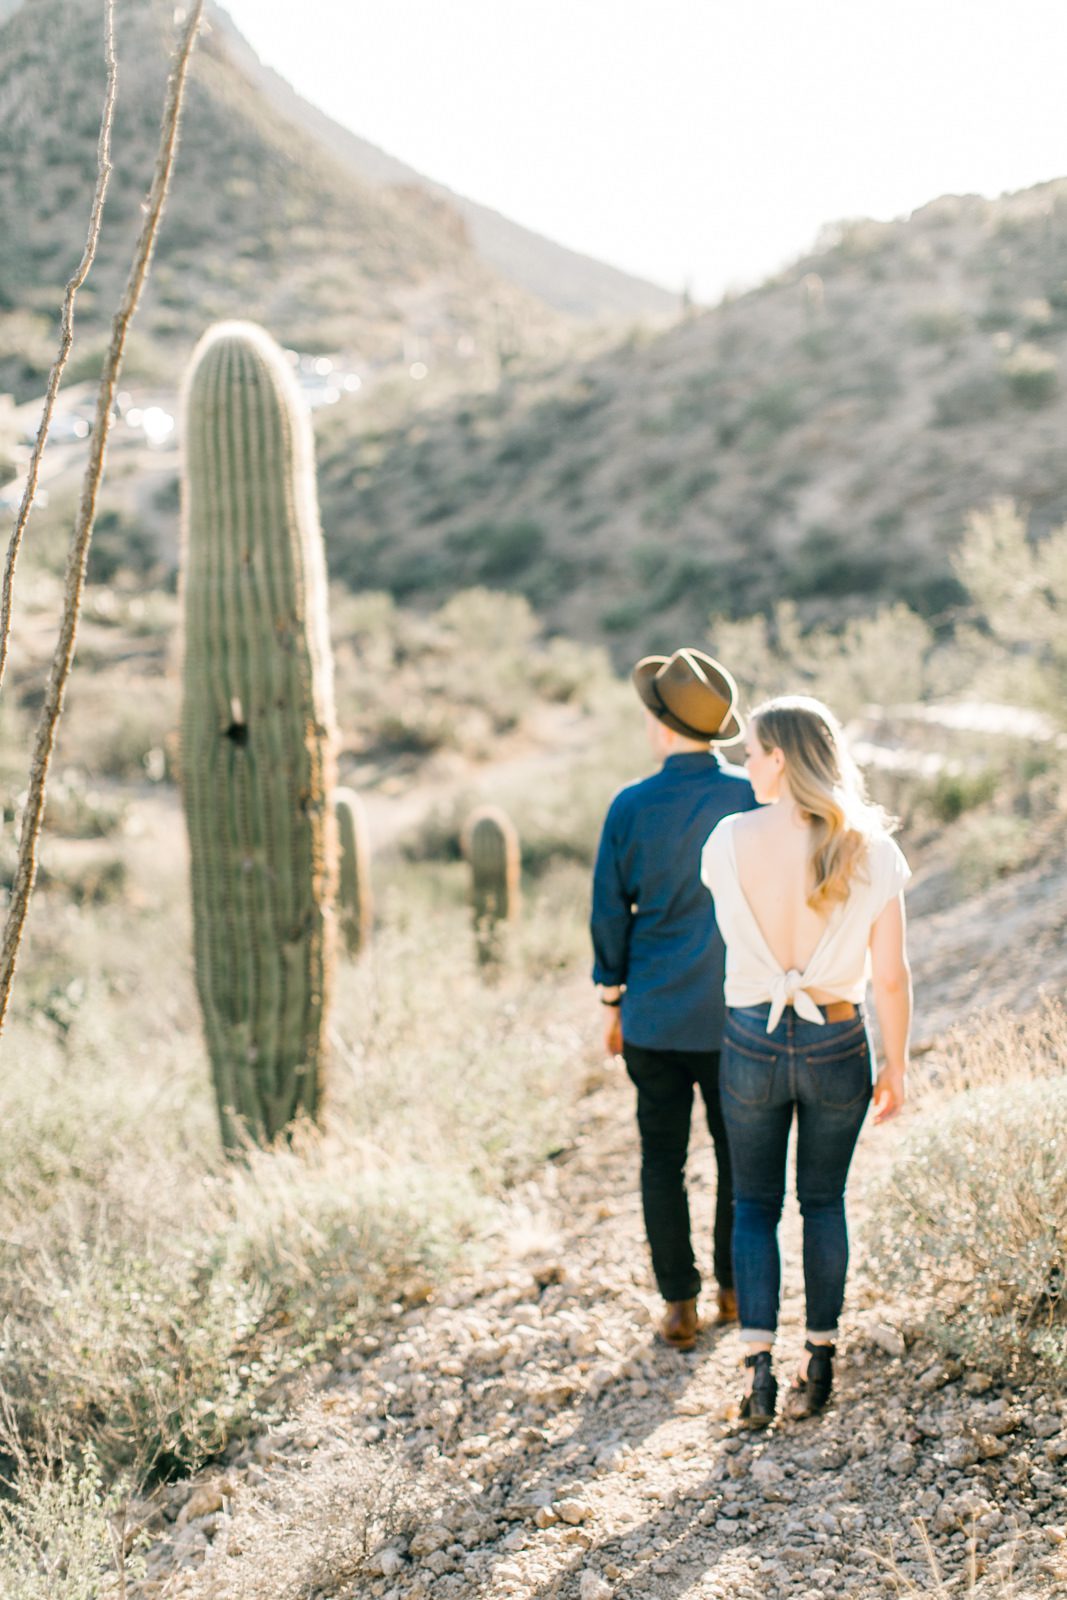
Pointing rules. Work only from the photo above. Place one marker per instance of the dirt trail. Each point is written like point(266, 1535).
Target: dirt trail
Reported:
point(581, 1459)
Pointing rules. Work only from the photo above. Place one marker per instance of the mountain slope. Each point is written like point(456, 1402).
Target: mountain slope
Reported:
point(262, 221)
point(821, 438)
point(570, 282)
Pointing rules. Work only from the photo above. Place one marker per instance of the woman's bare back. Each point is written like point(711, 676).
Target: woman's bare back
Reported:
point(774, 873)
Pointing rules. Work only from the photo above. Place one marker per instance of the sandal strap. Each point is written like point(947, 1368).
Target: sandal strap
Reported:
point(760, 1355)
point(814, 1349)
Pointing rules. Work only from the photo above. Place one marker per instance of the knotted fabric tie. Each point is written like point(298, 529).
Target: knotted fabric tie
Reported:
point(787, 989)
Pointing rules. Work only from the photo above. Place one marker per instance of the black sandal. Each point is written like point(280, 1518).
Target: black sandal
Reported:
point(808, 1396)
point(757, 1407)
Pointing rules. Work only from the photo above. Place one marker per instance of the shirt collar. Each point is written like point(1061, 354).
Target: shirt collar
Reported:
point(692, 760)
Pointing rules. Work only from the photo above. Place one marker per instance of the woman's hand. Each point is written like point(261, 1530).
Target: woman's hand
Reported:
point(889, 1093)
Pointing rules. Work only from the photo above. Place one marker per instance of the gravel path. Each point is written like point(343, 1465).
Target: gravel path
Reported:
point(561, 1451)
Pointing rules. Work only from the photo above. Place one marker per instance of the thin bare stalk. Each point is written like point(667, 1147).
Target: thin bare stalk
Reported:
point(78, 555)
point(66, 339)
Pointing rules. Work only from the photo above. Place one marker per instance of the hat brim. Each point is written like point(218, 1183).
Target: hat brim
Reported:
point(643, 674)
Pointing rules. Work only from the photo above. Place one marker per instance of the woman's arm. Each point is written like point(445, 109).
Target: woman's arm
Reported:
point(891, 981)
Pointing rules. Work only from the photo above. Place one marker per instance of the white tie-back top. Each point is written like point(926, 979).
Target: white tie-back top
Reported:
point(840, 962)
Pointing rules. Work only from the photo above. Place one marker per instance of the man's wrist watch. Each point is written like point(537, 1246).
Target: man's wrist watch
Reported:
point(617, 1001)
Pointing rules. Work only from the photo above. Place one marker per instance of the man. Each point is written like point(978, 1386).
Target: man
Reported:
point(659, 960)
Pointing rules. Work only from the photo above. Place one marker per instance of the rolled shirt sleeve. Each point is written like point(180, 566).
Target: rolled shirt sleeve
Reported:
point(612, 917)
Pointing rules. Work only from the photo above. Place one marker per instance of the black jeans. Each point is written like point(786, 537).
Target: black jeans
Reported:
point(665, 1080)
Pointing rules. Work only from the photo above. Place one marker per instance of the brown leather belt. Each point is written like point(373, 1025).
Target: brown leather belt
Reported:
point(839, 1011)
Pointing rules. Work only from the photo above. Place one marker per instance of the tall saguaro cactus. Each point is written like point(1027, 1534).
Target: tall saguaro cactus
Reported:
point(354, 895)
point(491, 845)
point(258, 732)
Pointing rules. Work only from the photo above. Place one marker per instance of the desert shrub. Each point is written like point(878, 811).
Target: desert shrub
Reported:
point(118, 723)
point(156, 1298)
point(121, 544)
point(973, 1221)
point(75, 810)
point(312, 1529)
point(831, 562)
point(952, 792)
point(849, 668)
point(998, 1048)
point(976, 398)
point(60, 1535)
point(1018, 587)
point(497, 551)
point(1033, 375)
point(939, 324)
point(773, 411)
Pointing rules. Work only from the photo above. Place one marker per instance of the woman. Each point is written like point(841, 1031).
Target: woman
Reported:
point(804, 889)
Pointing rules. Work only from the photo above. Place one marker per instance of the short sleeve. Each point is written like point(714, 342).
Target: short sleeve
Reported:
point(889, 873)
point(713, 857)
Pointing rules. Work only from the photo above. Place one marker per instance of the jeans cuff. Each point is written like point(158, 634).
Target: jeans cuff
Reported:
point(757, 1335)
point(819, 1336)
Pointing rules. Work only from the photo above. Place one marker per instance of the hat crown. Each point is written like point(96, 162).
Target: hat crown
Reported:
point(691, 692)
point(685, 689)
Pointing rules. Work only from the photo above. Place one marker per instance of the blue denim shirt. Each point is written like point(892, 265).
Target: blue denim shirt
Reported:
point(653, 921)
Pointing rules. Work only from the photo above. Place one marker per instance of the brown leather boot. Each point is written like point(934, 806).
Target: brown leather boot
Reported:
point(680, 1325)
point(727, 1303)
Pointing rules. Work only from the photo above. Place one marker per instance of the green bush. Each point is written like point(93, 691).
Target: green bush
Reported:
point(976, 398)
point(154, 1298)
point(952, 793)
point(972, 1222)
point(1033, 375)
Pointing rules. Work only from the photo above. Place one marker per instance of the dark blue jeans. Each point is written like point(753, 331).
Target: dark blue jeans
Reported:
point(823, 1074)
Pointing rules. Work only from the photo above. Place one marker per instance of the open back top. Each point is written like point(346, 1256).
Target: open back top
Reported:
point(839, 964)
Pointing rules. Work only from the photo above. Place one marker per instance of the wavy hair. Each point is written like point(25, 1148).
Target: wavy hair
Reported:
point(827, 786)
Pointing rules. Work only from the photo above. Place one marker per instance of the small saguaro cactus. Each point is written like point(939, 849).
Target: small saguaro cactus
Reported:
point(354, 896)
point(257, 732)
point(491, 845)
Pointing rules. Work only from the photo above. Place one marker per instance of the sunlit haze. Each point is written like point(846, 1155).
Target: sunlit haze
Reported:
point(688, 139)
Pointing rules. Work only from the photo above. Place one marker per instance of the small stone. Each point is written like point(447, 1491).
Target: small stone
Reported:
point(203, 1501)
point(960, 1453)
point(885, 1337)
point(1056, 1449)
point(766, 1471)
point(433, 1537)
point(977, 1382)
point(1046, 1426)
point(901, 1459)
point(389, 1562)
point(571, 1511)
point(545, 1517)
point(591, 1586)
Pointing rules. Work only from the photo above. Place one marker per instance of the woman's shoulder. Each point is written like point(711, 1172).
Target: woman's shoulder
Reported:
point(888, 867)
point(717, 852)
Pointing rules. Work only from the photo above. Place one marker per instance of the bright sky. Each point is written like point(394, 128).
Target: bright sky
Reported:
point(688, 139)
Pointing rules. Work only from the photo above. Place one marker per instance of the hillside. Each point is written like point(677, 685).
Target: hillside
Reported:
point(821, 438)
point(263, 219)
point(570, 282)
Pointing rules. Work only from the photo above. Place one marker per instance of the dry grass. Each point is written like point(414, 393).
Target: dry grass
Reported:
point(152, 1293)
point(972, 1220)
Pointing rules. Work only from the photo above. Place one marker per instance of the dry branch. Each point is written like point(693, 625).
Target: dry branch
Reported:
point(44, 740)
point(103, 176)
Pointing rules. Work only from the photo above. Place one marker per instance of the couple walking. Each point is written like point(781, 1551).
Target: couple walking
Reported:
point(736, 916)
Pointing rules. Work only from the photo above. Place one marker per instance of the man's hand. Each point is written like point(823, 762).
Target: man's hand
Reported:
point(888, 1093)
point(613, 1031)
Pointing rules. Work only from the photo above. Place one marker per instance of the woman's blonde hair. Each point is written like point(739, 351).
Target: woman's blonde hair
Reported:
point(828, 787)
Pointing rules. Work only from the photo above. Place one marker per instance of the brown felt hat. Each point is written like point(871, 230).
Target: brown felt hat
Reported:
point(691, 693)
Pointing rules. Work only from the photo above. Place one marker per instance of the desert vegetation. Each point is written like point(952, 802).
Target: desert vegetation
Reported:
point(385, 1328)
